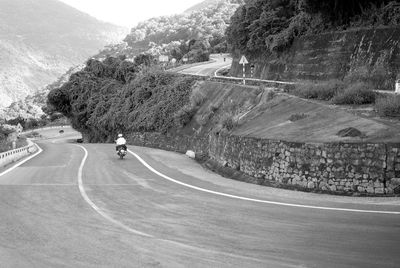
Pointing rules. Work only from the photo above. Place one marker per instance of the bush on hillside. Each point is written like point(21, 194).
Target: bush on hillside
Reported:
point(228, 122)
point(184, 115)
point(388, 106)
point(298, 116)
point(101, 101)
point(320, 91)
point(358, 93)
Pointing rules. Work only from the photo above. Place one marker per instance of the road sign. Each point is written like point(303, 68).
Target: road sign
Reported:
point(243, 60)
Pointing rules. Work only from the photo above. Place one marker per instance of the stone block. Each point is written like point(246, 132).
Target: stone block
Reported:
point(378, 184)
point(393, 182)
point(192, 155)
point(379, 190)
point(397, 167)
point(323, 186)
point(370, 190)
point(389, 190)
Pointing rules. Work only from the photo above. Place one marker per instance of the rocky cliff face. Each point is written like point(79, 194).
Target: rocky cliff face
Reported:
point(365, 54)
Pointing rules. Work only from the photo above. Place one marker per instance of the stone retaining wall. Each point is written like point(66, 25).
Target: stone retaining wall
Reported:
point(337, 167)
point(334, 167)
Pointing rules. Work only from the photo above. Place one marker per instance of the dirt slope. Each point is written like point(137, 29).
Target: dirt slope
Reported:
point(258, 113)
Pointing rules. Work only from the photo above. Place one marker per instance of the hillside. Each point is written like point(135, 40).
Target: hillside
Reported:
point(192, 34)
point(105, 94)
point(41, 39)
point(318, 40)
point(31, 105)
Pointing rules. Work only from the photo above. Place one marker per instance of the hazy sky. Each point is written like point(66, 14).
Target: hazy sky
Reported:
point(129, 12)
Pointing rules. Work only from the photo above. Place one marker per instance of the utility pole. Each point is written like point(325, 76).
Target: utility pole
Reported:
point(244, 61)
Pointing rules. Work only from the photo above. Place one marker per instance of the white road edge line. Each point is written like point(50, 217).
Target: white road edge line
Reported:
point(257, 200)
point(223, 67)
point(23, 161)
point(93, 205)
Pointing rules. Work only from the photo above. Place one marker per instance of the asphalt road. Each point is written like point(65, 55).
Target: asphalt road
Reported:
point(217, 61)
point(73, 206)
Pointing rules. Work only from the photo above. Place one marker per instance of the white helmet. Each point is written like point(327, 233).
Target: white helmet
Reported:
point(120, 135)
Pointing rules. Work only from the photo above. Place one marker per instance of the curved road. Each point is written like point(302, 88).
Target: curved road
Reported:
point(80, 206)
point(217, 61)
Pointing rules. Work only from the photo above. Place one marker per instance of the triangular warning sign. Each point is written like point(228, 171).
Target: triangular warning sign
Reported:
point(243, 60)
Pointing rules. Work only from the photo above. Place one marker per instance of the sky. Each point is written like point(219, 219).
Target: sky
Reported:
point(129, 12)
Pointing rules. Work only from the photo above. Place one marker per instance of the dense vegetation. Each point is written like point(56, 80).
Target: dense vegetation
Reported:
point(259, 27)
point(121, 96)
point(193, 35)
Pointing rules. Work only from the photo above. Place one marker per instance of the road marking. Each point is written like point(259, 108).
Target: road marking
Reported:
point(23, 161)
point(256, 200)
point(93, 205)
point(223, 67)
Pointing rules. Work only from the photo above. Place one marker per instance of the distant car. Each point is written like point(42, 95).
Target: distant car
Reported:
point(61, 131)
point(79, 140)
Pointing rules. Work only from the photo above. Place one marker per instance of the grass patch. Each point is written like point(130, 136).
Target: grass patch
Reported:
point(388, 106)
point(336, 91)
point(358, 93)
point(320, 90)
point(6, 145)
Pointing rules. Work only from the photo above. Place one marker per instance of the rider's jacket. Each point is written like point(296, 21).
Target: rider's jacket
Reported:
point(121, 141)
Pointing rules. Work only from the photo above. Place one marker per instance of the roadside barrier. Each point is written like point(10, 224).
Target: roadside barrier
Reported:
point(16, 154)
point(44, 128)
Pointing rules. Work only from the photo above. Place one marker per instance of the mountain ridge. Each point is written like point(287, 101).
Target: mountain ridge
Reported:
point(40, 40)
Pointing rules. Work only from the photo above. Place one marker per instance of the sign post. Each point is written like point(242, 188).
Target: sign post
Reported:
point(244, 61)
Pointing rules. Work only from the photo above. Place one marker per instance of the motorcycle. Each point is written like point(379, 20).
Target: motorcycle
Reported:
point(121, 152)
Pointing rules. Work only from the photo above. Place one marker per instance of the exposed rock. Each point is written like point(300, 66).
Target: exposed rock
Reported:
point(191, 154)
point(349, 132)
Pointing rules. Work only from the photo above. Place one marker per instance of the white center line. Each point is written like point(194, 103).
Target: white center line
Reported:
point(93, 205)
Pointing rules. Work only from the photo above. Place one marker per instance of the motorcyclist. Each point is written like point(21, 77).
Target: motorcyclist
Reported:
point(121, 142)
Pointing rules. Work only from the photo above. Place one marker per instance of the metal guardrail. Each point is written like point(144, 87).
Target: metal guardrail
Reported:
point(16, 154)
point(44, 128)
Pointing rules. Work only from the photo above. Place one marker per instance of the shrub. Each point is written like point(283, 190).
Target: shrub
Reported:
point(358, 93)
point(228, 122)
point(270, 95)
point(184, 115)
point(197, 96)
point(320, 91)
point(388, 106)
point(296, 117)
